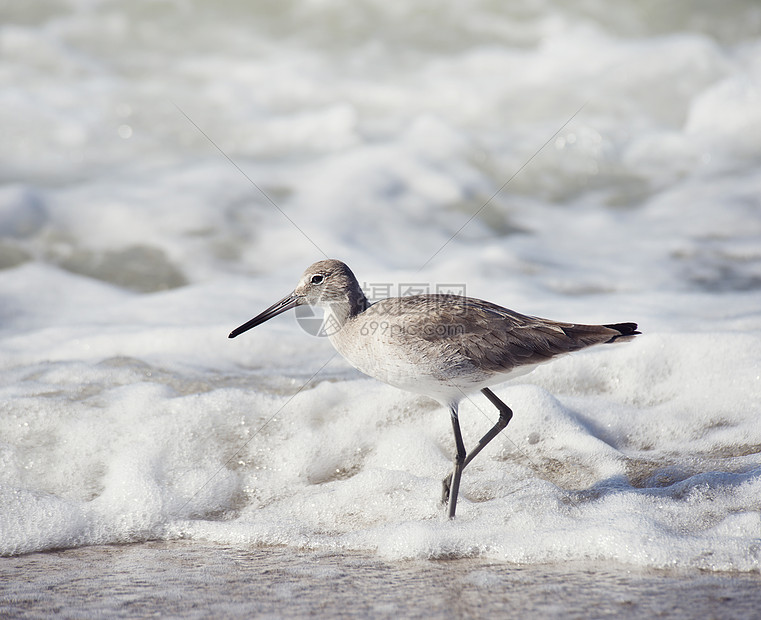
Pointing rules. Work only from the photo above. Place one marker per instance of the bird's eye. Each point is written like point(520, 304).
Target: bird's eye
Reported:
point(317, 279)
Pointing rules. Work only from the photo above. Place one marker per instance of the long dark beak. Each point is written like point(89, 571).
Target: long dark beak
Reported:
point(286, 303)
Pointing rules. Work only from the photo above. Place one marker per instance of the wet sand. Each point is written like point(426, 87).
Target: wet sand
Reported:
point(197, 580)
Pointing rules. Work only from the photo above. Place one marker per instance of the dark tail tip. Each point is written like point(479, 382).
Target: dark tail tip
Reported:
point(626, 331)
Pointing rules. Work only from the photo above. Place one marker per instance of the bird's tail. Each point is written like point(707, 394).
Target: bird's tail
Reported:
point(626, 331)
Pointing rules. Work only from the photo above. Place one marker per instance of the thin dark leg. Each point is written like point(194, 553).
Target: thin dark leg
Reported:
point(459, 461)
point(505, 414)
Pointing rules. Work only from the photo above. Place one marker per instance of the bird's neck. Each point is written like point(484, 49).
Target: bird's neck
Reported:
point(338, 312)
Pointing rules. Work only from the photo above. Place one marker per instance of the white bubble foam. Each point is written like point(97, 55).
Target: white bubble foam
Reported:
point(131, 246)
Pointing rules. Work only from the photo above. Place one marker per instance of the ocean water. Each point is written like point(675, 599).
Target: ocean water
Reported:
point(168, 169)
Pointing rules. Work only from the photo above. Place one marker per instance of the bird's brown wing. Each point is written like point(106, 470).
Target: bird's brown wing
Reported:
point(491, 337)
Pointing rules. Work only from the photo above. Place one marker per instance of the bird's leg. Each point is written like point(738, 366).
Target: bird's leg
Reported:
point(452, 483)
point(505, 414)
